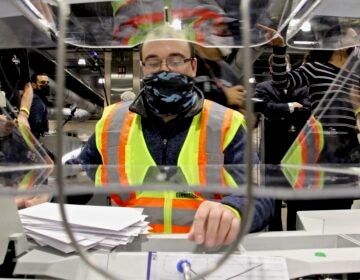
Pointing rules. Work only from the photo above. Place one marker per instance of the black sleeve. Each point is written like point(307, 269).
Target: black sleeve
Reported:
point(272, 105)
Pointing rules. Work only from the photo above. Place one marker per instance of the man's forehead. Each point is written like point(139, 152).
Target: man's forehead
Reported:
point(42, 78)
point(165, 48)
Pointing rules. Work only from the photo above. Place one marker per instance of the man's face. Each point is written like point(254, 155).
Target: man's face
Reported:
point(178, 52)
point(41, 81)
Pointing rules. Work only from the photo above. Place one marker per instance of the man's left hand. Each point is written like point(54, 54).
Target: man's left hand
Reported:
point(214, 225)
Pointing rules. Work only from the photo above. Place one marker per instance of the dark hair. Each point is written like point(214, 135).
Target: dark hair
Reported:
point(34, 76)
point(320, 55)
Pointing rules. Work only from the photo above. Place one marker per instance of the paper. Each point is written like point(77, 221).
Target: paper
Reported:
point(163, 266)
point(102, 217)
point(92, 226)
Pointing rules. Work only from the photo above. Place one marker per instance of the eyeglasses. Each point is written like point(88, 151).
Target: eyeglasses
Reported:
point(172, 62)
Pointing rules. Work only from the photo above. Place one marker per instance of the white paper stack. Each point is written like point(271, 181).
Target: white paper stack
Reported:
point(93, 226)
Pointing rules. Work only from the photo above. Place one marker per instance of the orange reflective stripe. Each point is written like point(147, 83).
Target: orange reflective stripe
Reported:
point(224, 130)
point(304, 154)
point(146, 202)
point(301, 176)
point(304, 149)
point(202, 156)
point(115, 199)
point(317, 179)
point(159, 202)
point(122, 147)
point(159, 228)
point(187, 203)
point(226, 125)
point(104, 143)
point(317, 137)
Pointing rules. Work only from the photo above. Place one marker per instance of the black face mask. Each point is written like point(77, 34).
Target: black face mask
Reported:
point(43, 91)
point(169, 93)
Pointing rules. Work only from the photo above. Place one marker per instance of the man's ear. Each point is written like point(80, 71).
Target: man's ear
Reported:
point(33, 85)
point(194, 66)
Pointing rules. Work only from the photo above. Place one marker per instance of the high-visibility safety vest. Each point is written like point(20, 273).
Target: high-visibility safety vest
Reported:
point(305, 150)
point(120, 141)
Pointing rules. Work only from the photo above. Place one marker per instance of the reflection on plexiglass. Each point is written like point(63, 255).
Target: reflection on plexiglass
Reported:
point(324, 156)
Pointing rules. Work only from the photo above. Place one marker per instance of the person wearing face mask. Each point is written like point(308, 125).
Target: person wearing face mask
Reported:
point(330, 135)
point(38, 118)
point(171, 124)
point(285, 112)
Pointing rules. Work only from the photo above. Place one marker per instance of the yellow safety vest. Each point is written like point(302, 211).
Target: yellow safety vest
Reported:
point(120, 141)
point(306, 149)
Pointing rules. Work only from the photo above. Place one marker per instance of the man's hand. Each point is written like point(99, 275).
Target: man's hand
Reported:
point(27, 201)
point(6, 125)
point(297, 105)
point(214, 225)
point(271, 35)
point(235, 95)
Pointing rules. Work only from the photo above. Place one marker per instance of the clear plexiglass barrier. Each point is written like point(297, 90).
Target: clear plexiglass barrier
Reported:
point(315, 165)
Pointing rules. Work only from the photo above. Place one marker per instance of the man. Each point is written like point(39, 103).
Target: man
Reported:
point(285, 113)
point(169, 123)
point(38, 119)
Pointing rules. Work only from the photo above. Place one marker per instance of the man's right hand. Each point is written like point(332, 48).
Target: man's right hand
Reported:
point(6, 125)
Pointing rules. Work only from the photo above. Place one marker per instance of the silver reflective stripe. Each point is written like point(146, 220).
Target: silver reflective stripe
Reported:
point(214, 149)
point(180, 217)
point(113, 142)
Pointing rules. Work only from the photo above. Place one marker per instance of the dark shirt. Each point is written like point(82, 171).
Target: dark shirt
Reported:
point(279, 123)
point(329, 90)
point(38, 119)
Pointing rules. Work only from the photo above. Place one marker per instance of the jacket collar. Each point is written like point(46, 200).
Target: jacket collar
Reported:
point(138, 106)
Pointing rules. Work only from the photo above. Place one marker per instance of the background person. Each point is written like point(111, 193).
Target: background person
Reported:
point(285, 113)
point(332, 109)
point(38, 119)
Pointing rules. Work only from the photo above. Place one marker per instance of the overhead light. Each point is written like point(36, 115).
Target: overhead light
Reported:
point(81, 61)
point(176, 24)
point(314, 43)
point(101, 81)
point(306, 27)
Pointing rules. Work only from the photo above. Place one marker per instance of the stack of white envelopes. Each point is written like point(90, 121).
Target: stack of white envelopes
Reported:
point(93, 226)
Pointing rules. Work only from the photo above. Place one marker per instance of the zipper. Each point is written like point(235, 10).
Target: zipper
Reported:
point(164, 151)
point(167, 194)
